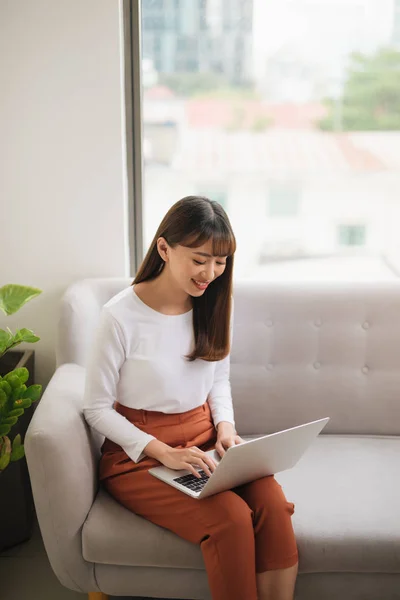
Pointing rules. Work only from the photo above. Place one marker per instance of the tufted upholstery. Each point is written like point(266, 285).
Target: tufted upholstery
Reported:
point(300, 352)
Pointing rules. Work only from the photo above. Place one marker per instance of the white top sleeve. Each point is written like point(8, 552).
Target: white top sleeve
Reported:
point(220, 397)
point(102, 378)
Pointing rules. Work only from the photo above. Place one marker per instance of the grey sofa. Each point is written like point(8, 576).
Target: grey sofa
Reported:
point(300, 352)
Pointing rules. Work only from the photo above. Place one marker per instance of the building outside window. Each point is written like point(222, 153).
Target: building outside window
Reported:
point(293, 108)
point(352, 235)
point(284, 199)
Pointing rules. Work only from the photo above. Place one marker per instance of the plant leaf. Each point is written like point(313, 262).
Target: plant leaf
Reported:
point(22, 373)
point(17, 393)
point(5, 445)
point(13, 380)
point(33, 392)
point(5, 339)
point(18, 451)
point(17, 441)
point(17, 454)
point(25, 335)
point(17, 412)
point(3, 398)
point(14, 296)
point(4, 429)
point(6, 387)
point(4, 461)
point(22, 403)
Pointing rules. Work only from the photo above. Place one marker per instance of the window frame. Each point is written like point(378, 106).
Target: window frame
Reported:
point(131, 51)
point(351, 230)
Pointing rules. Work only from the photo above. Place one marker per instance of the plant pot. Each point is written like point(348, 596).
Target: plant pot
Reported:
point(16, 501)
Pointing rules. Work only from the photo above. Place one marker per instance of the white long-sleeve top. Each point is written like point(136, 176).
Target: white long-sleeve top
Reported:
point(138, 359)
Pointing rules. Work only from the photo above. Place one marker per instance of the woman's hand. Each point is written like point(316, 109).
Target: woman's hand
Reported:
point(226, 437)
point(189, 459)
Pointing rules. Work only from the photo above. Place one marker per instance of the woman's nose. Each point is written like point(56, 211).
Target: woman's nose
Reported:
point(208, 273)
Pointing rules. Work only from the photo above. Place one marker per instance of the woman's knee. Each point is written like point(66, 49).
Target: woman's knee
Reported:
point(231, 511)
point(267, 493)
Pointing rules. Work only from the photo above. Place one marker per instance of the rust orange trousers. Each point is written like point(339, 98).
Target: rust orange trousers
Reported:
point(241, 532)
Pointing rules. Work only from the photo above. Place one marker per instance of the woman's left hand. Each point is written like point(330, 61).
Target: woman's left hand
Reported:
point(226, 437)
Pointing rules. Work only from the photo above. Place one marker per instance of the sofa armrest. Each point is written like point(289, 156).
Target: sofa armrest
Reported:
point(62, 465)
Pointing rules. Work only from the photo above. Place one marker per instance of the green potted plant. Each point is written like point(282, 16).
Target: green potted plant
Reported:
point(16, 396)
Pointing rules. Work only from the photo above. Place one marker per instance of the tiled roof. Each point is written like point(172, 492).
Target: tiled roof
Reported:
point(225, 112)
point(219, 134)
point(158, 92)
point(281, 152)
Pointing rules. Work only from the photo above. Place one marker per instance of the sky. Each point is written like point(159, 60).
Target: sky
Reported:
point(319, 29)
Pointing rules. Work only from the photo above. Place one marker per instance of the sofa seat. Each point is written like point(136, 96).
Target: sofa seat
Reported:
point(347, 519)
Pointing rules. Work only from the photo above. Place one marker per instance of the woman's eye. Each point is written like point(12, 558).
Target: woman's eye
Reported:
point(197, 262)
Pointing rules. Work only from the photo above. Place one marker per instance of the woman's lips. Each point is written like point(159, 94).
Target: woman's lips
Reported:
point(200, 285)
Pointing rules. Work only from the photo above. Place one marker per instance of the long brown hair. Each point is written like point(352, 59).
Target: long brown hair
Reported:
point(191, 222)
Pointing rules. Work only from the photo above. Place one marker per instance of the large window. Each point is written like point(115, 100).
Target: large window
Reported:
point(352, 235)
point(287, 113)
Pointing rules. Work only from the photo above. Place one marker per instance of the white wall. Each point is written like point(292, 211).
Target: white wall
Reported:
point(62, 172)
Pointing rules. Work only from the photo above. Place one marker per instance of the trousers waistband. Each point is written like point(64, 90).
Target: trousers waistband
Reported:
point(140, 415)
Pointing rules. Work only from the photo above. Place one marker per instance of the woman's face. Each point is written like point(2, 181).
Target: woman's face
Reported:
point(193, 269)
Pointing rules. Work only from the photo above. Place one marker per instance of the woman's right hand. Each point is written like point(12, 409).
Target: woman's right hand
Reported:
point(189, 459)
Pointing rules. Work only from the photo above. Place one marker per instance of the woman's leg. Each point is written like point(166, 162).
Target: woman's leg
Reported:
point(278, 584)
point(275, 542)
point(221, 524)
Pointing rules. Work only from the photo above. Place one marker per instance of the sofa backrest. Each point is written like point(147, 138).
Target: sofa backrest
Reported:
point(301, 351)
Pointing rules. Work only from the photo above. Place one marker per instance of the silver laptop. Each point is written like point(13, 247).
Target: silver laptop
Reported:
point(246, 462)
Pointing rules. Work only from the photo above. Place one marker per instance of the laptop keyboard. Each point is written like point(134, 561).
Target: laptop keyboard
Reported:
point(193, 483)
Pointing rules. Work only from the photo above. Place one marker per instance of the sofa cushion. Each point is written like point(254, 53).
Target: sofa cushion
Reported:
point(114, 535)
point(347, 495)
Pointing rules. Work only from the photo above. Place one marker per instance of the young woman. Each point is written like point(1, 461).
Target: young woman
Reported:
point(158, 389)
